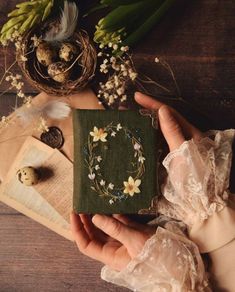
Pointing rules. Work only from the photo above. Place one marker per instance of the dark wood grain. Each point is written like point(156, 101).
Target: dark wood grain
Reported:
point(197, 39)
point(39, 260)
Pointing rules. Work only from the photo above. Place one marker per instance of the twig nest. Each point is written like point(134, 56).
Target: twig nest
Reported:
point(45, 54)
point(28, 176)
point(59, 72)
point(59, 68)
point(68, 52)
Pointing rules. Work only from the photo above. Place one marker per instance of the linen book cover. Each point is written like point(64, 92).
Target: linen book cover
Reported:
point(115, 161)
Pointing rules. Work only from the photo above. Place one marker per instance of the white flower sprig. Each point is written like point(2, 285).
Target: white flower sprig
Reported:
point(4, 121)
point(121, 71)
point(17, 83)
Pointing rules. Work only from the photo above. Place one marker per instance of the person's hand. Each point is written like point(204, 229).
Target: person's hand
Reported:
point(113, 241)
point(174, 127)
point(116, 240)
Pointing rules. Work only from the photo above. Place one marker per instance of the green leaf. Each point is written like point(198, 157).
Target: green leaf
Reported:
point(148, 24)
point(25, 16)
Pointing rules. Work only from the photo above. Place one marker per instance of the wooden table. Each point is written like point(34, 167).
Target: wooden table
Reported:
point(197, 39)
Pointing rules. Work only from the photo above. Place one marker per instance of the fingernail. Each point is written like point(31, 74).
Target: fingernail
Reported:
point(97, 217)
point(138, 94)
point(165, 113)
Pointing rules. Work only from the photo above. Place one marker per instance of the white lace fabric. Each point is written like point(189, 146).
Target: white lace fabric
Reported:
point(196, 193)
point(168, 262)
point(198, 178)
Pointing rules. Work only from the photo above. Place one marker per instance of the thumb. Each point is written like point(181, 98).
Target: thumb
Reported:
point(170, 127)
point(132, 239)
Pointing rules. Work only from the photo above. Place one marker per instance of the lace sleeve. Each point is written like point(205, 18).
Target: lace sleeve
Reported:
point(168, 262)
point(197, 185)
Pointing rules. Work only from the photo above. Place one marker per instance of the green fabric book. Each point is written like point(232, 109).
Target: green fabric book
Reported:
point(115, 161)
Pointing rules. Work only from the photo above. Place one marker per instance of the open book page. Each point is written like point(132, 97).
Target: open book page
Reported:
point(58, 188)
point(28, 200)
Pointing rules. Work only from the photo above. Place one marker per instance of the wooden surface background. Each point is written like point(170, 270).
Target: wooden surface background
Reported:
point(197, 39)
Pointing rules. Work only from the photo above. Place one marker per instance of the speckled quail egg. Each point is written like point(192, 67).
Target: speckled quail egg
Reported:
point(59, 72)
point(46, 54)
point(28, 176)
point(68, 52)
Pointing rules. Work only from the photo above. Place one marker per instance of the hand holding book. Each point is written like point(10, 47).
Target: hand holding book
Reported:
point(129, 235)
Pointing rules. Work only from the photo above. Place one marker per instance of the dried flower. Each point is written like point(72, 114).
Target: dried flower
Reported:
point(36, 41)
point(121, 72)
point(4, 121)
point(42, 126)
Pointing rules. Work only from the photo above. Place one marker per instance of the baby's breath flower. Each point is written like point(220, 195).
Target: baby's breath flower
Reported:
point(36, 41)
point(120, 71)
point(42, 126)
point(157, 60)
point(124, 98)
point(125, 49)
point(4, 121)
point(23, 58)
point(115, 47)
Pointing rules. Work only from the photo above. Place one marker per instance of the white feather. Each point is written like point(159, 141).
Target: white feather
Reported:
point(67, 24)
point(56, 110)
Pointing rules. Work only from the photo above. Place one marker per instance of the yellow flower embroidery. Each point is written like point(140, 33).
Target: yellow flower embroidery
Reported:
point(131, 186)
point(98, 134)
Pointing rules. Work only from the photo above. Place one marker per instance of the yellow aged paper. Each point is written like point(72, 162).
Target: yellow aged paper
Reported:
point(37, 202)
point(57, 189)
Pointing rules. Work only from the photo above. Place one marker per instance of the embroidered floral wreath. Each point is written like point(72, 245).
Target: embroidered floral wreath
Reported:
point(131, 186)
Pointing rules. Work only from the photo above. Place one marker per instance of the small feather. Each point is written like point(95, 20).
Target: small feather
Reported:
point(67, 24)
point(26, 115)
point(56, 110)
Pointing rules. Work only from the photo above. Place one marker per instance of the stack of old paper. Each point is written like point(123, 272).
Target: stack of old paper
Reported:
point(50, 201)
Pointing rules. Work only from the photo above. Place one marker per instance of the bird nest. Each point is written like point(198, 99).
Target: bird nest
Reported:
point(81, 68)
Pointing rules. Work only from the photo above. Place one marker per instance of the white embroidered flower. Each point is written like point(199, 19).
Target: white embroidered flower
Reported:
point(111, 186)
point(91, 176)
point(131, 186)
point(102, 182)
point(111, 201)
point(141, 159)
point(99, 134)
point(137, 146)
point(99, 158)
point(119, 127)
point(113, 134)
point(97, 167)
